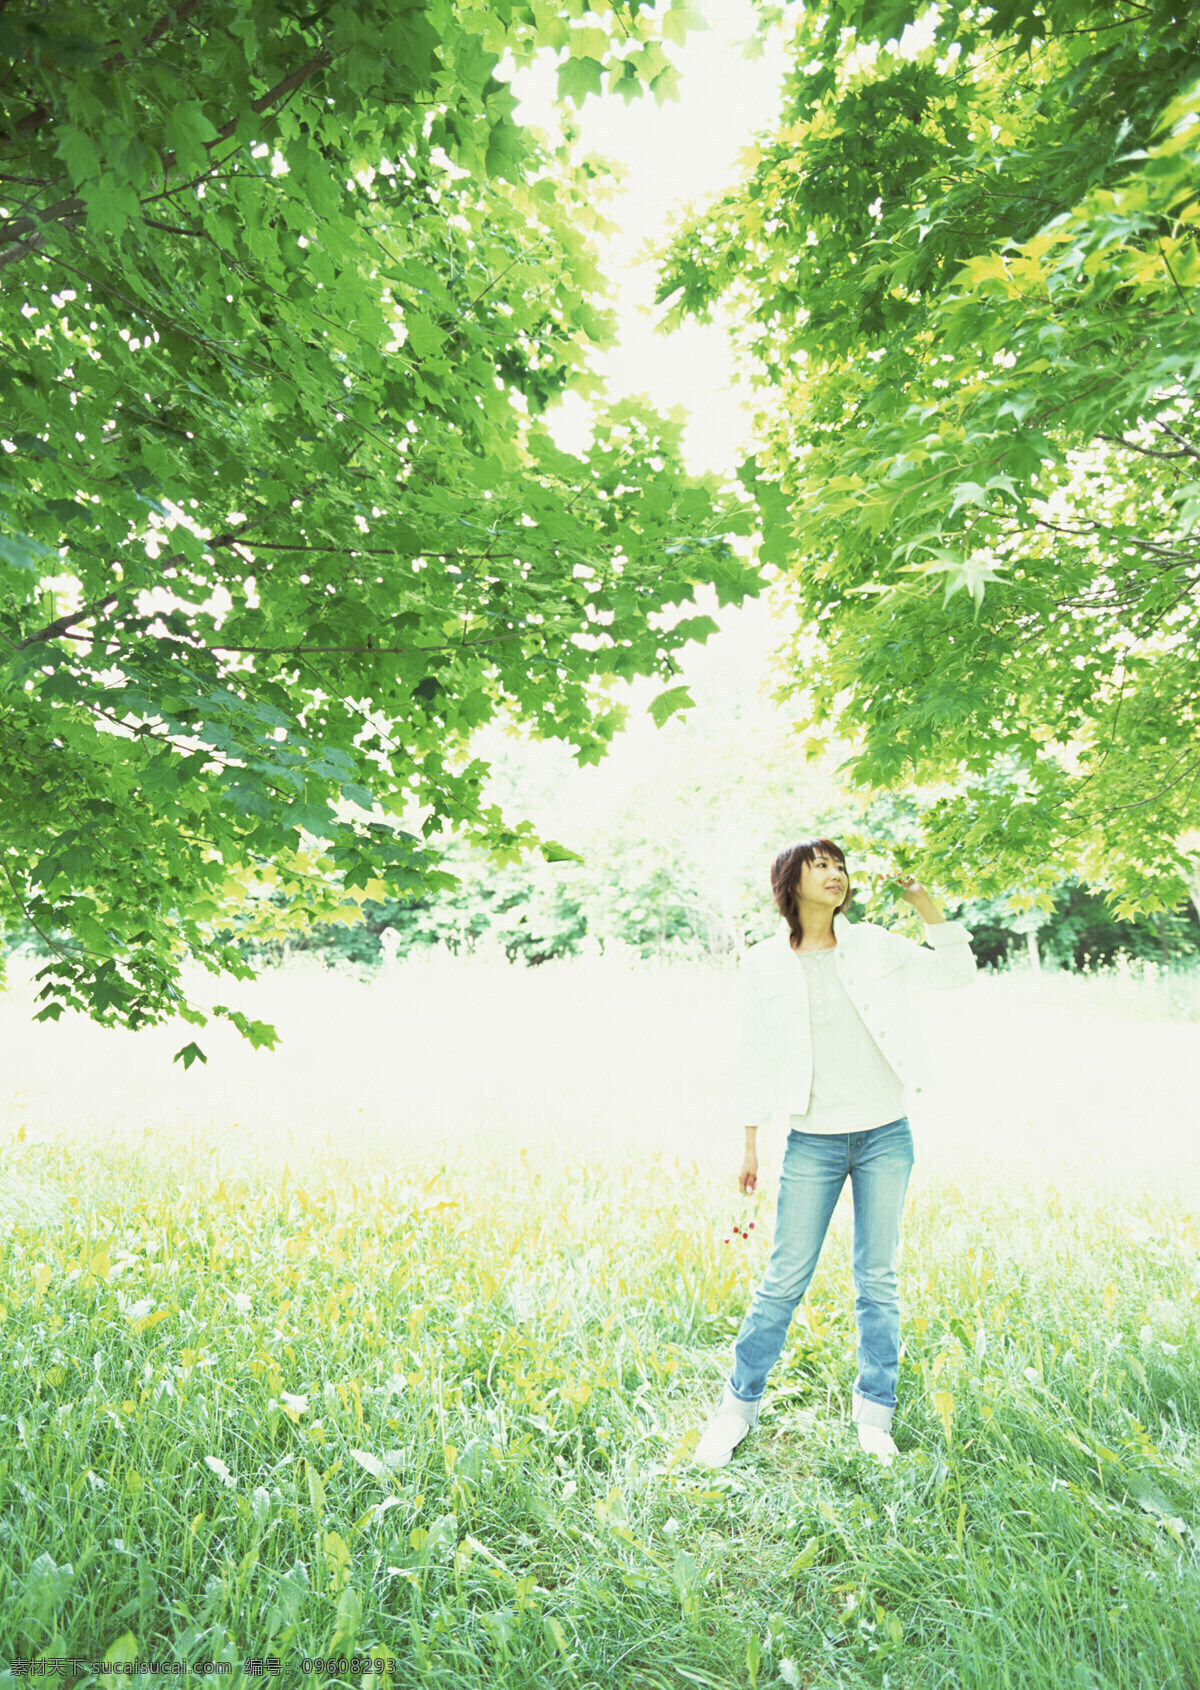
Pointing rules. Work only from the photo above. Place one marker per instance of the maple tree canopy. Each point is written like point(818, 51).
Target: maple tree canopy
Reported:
point(283, 294)
point(967, 276)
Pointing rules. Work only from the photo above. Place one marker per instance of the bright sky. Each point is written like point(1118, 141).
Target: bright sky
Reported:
point(673, 154)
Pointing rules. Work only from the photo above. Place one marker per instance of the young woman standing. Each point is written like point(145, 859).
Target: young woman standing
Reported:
point(830, 1041)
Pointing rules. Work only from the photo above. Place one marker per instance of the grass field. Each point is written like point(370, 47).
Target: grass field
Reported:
point(394, 1343)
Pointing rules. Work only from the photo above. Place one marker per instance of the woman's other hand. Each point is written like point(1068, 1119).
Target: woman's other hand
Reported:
point(748, 1178)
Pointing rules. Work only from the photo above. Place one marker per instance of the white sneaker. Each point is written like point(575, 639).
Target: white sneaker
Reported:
point(877, 1442)
point(720, 1438)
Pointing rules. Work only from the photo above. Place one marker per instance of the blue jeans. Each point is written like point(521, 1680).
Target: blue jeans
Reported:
point(815, 1166)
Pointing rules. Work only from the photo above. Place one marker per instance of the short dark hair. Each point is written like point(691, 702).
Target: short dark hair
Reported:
point(785, 877)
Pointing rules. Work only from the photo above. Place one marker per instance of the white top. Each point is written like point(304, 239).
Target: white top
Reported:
point(854, 1086)
point(878, 971)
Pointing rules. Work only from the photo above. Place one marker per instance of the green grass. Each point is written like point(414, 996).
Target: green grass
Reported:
point(395, 1342)
point(445, 1421)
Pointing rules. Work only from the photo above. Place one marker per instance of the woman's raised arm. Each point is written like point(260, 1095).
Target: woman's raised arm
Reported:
point(951, 962)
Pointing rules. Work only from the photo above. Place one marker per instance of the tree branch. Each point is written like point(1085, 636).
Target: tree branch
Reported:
point(372, 649)
point(75, 951)
point(355, 551)
point(172, 229)
point(302, 650)
point(23, 248)
point(1137, 803)
point(1188, 449)
point(1149, 451)
point(1175, 279)
point(56, 630)
point(33, 120)
point(1061, 528)
point(18, 228)
point(1176, 557)
point(145, 312)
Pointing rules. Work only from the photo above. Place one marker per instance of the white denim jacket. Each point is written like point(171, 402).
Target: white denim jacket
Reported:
point(878, 968)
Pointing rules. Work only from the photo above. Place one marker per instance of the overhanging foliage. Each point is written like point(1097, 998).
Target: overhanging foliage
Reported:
point(970, 278)
point(285, 291)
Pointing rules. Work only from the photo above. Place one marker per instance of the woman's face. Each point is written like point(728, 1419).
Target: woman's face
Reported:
point(822, 882)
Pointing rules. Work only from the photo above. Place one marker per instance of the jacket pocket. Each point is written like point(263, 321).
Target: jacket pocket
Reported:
point(778, 1000)
point(880, 964)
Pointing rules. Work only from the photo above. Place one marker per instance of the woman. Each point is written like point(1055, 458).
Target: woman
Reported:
point(830, 1042)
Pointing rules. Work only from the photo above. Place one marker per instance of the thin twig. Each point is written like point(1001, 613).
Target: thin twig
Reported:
point(1175, 279)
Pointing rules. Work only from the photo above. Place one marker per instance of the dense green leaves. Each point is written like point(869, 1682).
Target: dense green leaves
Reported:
point(283, 299)
point(968, 273)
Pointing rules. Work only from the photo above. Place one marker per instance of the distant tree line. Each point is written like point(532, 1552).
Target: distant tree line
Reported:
point(536, 914)
point(637, 900)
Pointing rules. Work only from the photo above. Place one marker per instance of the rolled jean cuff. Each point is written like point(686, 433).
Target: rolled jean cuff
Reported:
point(731, 1404)
point(868, 1413)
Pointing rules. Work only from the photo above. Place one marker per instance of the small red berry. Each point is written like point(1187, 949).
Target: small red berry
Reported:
point(752, 1226)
